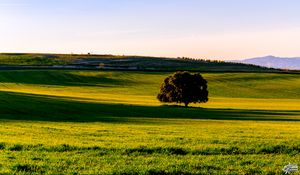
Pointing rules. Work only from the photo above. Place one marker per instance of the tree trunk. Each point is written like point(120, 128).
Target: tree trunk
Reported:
point(186, 104)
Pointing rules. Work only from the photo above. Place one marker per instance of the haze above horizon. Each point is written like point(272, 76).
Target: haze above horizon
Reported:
point(215, 29)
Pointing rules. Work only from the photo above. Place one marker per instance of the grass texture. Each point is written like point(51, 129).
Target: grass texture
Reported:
point(109, 122)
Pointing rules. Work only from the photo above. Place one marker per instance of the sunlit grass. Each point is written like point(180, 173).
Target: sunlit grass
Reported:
point(192, 146)
point(92, 122)
point(227, 90)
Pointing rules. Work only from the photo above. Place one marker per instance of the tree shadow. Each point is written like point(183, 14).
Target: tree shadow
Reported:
point(30, 107)
point(182, 106)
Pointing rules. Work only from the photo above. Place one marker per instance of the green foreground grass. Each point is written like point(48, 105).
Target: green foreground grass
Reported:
point(91, 122)
point(147, 146)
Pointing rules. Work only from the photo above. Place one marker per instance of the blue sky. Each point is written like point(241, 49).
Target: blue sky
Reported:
point(216, 29)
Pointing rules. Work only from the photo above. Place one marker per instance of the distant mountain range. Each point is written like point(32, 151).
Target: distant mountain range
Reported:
point(273, 62)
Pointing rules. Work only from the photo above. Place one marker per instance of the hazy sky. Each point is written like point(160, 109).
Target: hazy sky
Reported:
point(217, 29)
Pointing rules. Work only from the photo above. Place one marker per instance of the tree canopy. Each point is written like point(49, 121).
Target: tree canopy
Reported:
point(184, 87)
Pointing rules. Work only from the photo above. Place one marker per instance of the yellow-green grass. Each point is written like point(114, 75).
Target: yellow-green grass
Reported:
point(228, 90)
point(92, 122)
point(147, 146)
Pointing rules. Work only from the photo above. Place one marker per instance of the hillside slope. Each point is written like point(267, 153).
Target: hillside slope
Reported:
point(226, 90)
point(113, 62)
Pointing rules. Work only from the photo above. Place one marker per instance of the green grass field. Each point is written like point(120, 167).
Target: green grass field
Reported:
point(109, 122)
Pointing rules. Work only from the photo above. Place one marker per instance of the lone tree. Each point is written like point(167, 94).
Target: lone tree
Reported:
point(184, 87)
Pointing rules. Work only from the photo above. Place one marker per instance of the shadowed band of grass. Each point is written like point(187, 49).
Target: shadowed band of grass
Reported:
point(231, 150)
point(35, 108)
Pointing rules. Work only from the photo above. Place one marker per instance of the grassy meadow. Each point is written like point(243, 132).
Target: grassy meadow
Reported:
point(109, 122)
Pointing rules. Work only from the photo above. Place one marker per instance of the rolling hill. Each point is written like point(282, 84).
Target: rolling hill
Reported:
point(90, 95)
point(114, 62)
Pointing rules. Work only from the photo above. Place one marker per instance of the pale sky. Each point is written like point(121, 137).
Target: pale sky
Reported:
point(214, 29)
